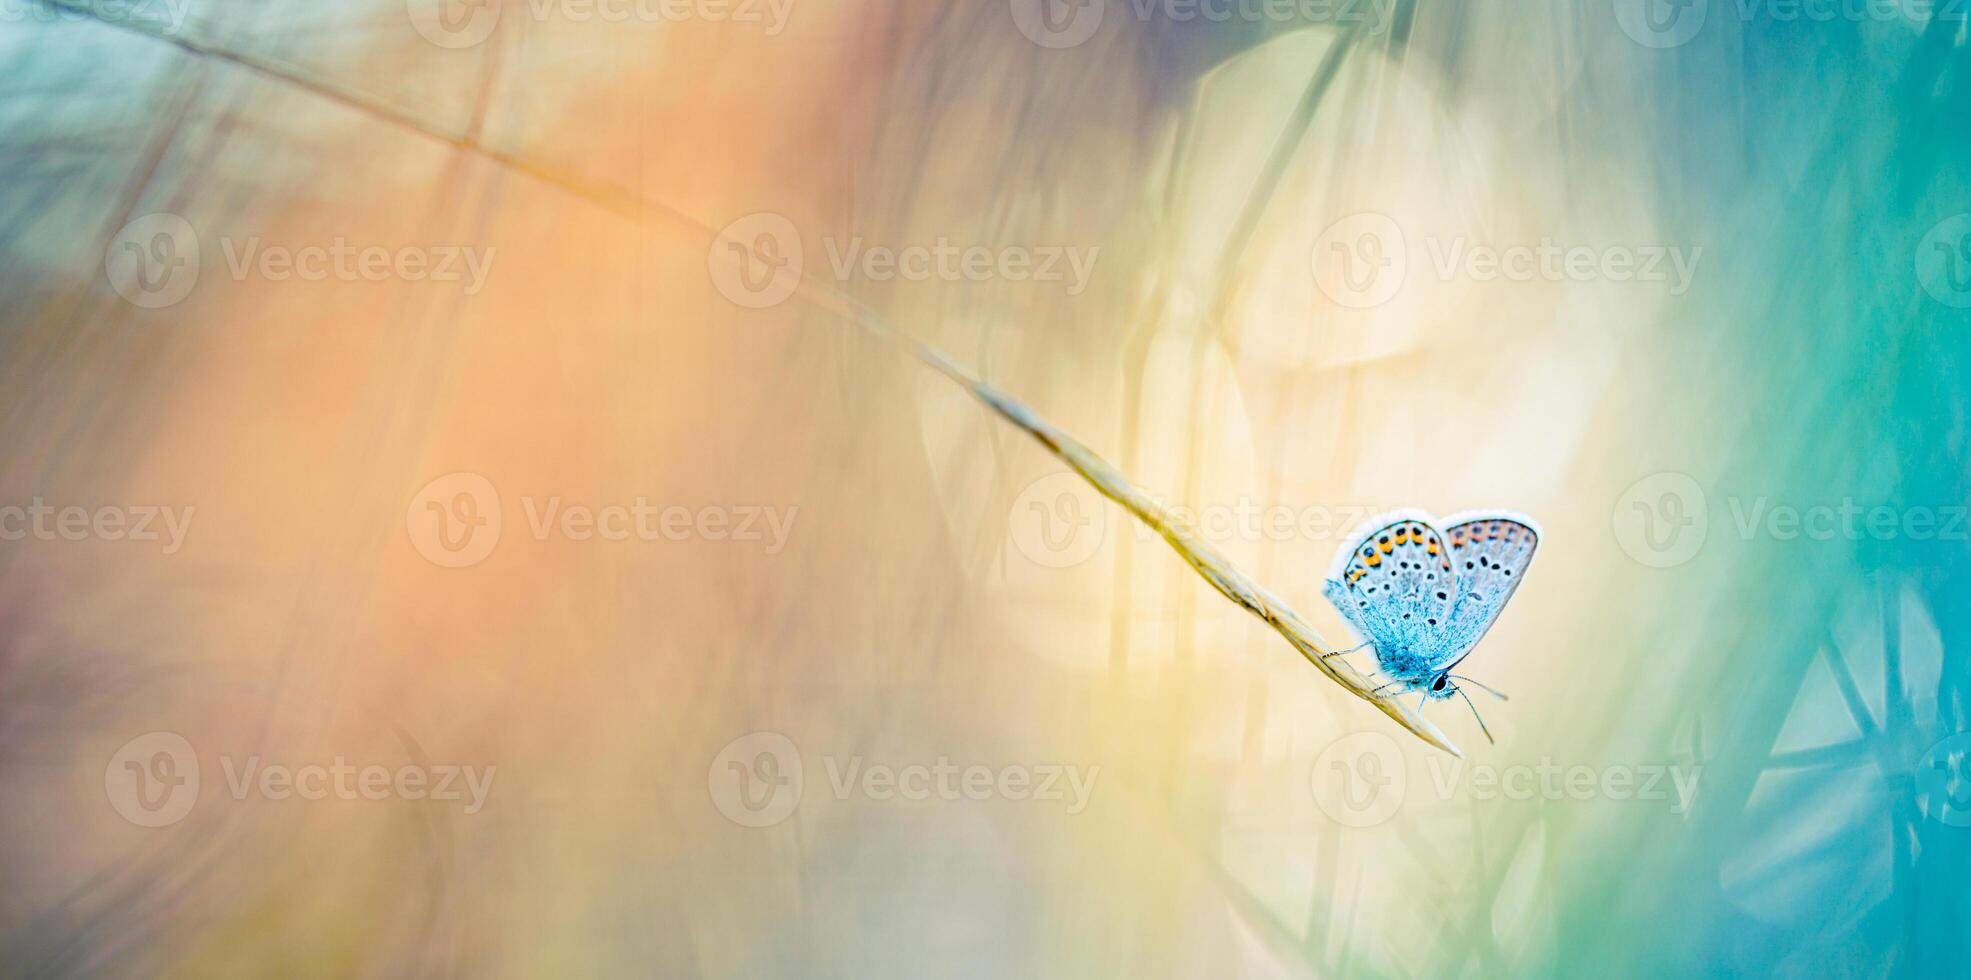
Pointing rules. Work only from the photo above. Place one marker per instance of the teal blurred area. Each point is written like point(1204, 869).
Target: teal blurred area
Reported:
point(1827, 161)
point(1735, 741)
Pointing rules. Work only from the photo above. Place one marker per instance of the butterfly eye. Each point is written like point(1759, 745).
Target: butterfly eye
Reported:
point(1438, 684)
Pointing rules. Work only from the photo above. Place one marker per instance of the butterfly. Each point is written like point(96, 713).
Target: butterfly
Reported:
point(1422, 598)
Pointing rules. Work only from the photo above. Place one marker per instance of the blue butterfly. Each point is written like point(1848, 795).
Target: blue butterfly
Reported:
point(1422, 598)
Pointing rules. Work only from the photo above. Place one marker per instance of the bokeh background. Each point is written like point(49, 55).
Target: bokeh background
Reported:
point(943, 591)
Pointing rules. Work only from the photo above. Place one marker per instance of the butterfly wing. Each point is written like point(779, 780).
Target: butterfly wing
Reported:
point(1489, 551)
point(1392, 580)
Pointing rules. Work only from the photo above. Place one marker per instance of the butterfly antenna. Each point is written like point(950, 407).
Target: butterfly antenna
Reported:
point(1475, 714)
point(1487, 688)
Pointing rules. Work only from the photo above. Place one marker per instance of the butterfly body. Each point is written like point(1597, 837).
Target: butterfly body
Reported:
point(1422, 597)
point(1410, 665)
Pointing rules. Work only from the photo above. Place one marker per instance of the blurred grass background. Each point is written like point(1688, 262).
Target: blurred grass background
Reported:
point(905, 621)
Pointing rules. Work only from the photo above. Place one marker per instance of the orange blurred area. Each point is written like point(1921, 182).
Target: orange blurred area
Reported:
point(741, 643)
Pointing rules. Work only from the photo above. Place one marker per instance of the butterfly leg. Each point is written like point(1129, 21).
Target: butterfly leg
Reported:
point(1344, 653)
